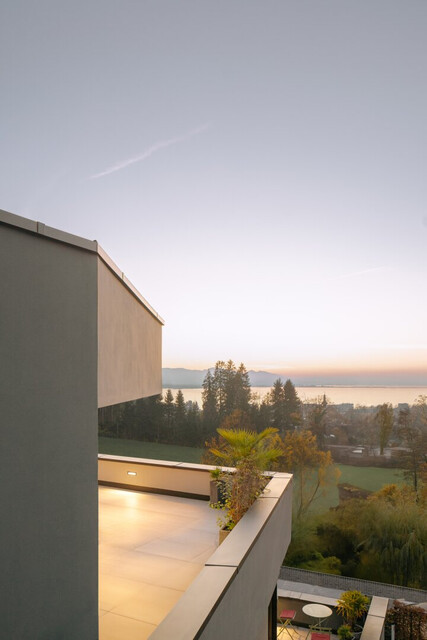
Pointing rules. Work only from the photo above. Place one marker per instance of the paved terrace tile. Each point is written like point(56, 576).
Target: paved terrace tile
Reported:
point(151, 547)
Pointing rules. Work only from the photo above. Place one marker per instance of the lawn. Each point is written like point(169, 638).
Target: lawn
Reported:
point(371, 478)
point(152, 450)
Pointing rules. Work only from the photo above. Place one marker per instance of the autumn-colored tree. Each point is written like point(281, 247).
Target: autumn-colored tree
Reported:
point(384, 420)
point(238, 419)
point(313, 469)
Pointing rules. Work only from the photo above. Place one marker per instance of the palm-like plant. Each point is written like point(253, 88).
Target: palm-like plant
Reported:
point(250, 453)
point(242, 444)
point(352, 605)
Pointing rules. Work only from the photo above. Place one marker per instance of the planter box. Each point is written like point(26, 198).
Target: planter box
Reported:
point(222, 534)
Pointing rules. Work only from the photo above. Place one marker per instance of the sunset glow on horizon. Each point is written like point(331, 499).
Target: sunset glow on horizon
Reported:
point(260, 179)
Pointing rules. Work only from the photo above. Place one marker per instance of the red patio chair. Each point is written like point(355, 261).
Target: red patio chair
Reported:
point(320, 635)
point(286, 616)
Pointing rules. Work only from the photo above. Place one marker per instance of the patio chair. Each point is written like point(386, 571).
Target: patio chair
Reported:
point(320, 635)
point(286, 616)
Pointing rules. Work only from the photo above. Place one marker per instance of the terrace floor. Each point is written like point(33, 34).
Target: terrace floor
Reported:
point(151, 547)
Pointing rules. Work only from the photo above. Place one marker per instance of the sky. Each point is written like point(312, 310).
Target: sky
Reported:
point(256, 169)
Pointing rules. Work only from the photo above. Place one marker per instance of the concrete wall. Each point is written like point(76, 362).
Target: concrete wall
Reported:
point(48, 484)
point(229, 598)
point(374, 627)
point(130, 343)
point(155, 475)
point(344, 583)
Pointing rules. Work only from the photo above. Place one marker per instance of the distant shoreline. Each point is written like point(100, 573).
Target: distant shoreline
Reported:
point(319, 386)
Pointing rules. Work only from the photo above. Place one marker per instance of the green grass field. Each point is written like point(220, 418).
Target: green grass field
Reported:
point(370, 478)
point(153, 450)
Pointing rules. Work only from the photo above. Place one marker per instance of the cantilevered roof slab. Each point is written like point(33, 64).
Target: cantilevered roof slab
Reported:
point(129, 329)
point(129, 339)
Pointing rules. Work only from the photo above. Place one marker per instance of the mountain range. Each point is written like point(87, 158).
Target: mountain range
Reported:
point(180, 378)
point(193, 378)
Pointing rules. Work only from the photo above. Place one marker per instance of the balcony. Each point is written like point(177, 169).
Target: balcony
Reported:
point(151, 547)
point(162, 574)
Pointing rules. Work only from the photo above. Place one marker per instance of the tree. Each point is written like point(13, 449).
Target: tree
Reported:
point(221, 377)
point(228, 374)
point(237, 420)
point(151, 417)
point(313, 469)
point(277, 402)
point(413, 433)
point(291, 406)
point(384, 420)
point(209, 405)
point(193, 433)
point(242, 389)
point(225, 390)
point(394, 530)
point(169, 413)
point(250, 453)
point(317, 419)
point(180, 415)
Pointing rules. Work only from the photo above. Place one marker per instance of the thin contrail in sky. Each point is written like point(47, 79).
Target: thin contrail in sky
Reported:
point(354, 274)
point(162, 144)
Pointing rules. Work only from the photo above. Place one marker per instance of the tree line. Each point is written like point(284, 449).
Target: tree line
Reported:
point(226, 397)
point(383, 537)
point(228, 402)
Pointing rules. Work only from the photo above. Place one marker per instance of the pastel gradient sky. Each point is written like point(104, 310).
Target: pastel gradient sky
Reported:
point(257, 169)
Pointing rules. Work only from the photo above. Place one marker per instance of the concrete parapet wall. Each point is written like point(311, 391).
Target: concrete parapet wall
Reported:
point(160, 476)
point(344, 583)
point(230, 597)
point(373, 628)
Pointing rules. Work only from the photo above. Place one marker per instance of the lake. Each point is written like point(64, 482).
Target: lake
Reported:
point(336, 395)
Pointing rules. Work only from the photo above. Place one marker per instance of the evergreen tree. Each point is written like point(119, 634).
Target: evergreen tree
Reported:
point(277, 401)
point(291, 406)
point(179, 417)
point(220, 379)
point(229, 375)
point(193, 431)
point(209, 405)
point(265, 413)
point(151, 417)
point(169, 414)
point(242, 389)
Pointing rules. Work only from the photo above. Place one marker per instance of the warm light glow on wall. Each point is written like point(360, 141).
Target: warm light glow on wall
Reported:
point(131, 473)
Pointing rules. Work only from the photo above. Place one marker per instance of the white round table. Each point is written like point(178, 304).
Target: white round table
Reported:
point(319, 611)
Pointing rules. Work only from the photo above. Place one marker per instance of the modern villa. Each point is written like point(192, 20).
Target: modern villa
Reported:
point(75, 336)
